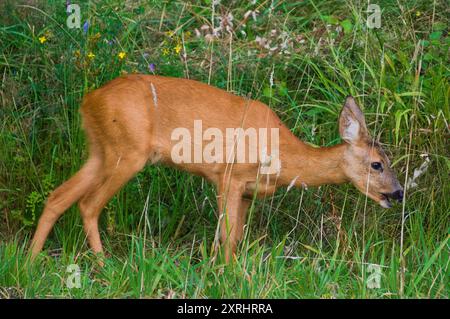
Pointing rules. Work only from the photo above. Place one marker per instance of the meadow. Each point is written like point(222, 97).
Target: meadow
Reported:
point(301, 58)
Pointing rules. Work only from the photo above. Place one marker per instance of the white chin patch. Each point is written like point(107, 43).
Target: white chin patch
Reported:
point(385, 203)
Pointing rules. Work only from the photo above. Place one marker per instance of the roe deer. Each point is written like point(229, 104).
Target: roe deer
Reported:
point(131, 120)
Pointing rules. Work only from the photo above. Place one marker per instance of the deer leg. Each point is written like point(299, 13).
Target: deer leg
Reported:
point(232, 214)
point(243, 209)
point(93, 202)
point(61, 199)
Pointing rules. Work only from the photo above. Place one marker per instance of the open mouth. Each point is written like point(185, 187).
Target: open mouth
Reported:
point(385, 201)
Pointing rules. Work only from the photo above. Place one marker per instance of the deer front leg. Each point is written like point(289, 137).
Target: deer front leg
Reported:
point(232, 215)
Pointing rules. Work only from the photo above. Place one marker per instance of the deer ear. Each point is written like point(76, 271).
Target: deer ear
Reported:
point(352, 125)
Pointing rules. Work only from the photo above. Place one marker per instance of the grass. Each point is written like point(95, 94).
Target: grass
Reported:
point(326, 242)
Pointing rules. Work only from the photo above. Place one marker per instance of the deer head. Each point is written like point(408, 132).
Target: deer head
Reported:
point(365, 163)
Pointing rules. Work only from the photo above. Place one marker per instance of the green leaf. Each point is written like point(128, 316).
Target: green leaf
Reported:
point(436, 35)
point(399, 115)
point(347, 26)
point(330, 19)
point(268, 92)
point(430, 261)
point(311, 248)
point(428, 57)
point(411, 94)
point(425, 43)
point(436, 43)
point(282, 89)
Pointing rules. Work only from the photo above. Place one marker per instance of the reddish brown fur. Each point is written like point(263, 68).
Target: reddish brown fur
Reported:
point(127, 126)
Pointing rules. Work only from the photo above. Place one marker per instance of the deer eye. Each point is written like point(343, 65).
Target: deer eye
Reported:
point(376, 166)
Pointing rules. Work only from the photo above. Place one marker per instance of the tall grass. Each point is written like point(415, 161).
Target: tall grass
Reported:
point(159, 230)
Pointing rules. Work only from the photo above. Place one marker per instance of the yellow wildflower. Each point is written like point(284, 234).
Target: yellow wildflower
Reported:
point(418, 14)
point(165, 51)
point(91, 55)
point(122, 55)
point(178, 48)
point(42, 39)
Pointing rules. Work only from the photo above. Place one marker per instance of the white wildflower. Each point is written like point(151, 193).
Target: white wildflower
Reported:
point(418, 172)
point(255, 14)
point(216, 31)
point(292, 183)
point(262, 42)
point(271, 76)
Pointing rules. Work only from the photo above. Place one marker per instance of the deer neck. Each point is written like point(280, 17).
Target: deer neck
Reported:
point(305, 165)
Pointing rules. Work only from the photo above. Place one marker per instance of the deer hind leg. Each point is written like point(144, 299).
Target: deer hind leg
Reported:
point(61, 199)
point(243, 210)
point(115, 174)
point(232, 211)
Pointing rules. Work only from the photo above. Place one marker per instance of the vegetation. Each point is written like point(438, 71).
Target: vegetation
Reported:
point(301, 58)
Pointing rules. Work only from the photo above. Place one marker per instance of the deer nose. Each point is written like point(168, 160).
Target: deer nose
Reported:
point(398, 195)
